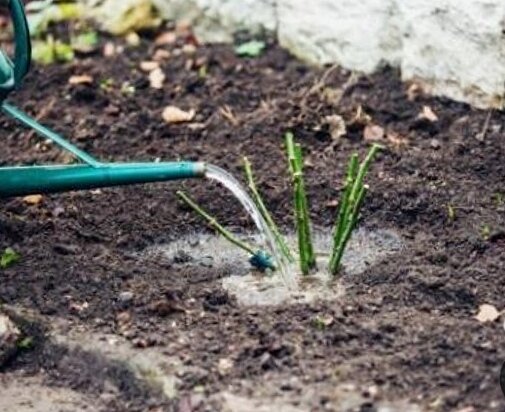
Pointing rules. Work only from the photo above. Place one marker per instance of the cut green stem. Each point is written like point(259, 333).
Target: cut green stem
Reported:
point(350, 205)
point(279, 239)
point(305, 247)
point(213, 223)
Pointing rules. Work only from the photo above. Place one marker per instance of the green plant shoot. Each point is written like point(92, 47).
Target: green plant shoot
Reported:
point(259, 258)
point(305, 247)
point(350, 205)
point(9, 257)
point(279, 239)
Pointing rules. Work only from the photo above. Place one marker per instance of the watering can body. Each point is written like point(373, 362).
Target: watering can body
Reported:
point(24, 180)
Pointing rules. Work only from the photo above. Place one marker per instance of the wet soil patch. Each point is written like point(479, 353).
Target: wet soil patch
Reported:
point(405, 324)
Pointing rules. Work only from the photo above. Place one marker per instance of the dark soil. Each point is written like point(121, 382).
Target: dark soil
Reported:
point(406, 325)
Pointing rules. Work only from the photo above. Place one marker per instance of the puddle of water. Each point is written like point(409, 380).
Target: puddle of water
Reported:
point(251, 288)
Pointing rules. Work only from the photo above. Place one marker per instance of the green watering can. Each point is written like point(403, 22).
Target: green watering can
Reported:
point(25, 180)
point(91, 173)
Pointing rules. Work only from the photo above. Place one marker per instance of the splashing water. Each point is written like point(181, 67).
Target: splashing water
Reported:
point(234, 186)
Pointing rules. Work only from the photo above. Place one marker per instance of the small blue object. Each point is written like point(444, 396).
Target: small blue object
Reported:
point(262, 261)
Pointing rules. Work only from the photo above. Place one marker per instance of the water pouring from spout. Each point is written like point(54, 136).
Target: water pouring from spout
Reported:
point(235, 187)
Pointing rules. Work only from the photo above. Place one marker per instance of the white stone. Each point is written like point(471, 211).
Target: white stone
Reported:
point(454, 48)
point(217, 20)
point(9, 337)
point(356, 34)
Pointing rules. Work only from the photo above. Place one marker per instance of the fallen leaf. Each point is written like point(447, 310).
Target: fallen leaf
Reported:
point(172, 114)
point(80, 79)
point(156, 78)
point(32, 199)
point(168, 37)
point(336, 126)
point(332, 203)
point(228, 114)
point(428, 114)
point(487, 313)
point(160, 55)
point(373, 133)
point(189, 49)
point(109, 49)
point(396, 140)
point(413, 92)
point(361, 118)
point(149, 66)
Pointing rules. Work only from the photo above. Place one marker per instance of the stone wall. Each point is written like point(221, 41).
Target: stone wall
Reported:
point(454, 48)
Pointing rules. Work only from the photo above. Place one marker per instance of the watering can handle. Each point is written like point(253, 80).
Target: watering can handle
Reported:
point(11, 73)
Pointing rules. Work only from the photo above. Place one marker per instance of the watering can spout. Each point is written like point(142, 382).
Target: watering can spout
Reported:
point(20, 181)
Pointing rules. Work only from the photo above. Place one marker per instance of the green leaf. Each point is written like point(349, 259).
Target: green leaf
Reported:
point(43, 52)
point(9, 257)
point(51, 51)
point(63, 51)
point(85, 42)
point(251, 48)
point(26, 344)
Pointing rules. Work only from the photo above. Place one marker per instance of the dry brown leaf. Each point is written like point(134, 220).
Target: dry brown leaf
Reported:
point(156, 78)
point(336, 125)
point(168, 37)
point(487, 313)
point(32, 199)
point(160, 55)
point(109, 49)
point(332, 203)
point(172, 114)
point(413, 92)
point(189, 48)
point(396, 140)
point(361, 118)
point(80, 79)
point(428, 114)
point(373, 133)
point(149, 65)
point(228, 114)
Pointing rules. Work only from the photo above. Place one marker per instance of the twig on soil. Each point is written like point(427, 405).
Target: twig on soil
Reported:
point(228, 114)
point(350, 205)
point(481, 136)
point(213, 223)
point(306, 249)
point(264, 211)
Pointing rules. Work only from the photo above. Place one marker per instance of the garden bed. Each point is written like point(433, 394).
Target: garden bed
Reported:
point(404, 331)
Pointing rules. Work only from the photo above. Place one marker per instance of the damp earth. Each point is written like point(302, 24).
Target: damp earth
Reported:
point(96, 300)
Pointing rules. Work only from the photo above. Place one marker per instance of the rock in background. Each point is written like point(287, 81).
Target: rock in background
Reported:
point(453, 48)
point(9, 338)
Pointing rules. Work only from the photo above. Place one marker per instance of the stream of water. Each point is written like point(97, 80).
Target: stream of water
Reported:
point(234, 186)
